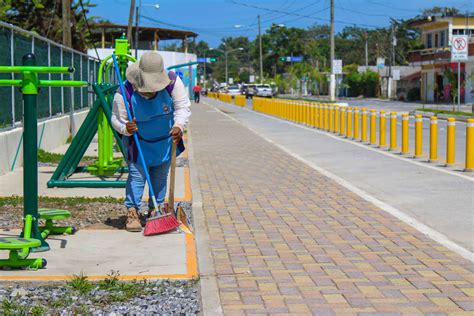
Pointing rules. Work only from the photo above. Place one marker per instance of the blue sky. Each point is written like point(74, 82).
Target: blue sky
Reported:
point(215, 19)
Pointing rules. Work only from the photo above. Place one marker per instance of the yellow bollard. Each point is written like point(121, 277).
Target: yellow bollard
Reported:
point(382, 130)
point(451, 142)
point(326, 117)
point(308, 113)
point(336, 119)
point(349, 122)
point(433, 139)
point(331, 118)
point(342, 123)
point(469, 167)
point(356, 123)
point(393, 131)
point(405, 121)
point(363, 137)
point(321, 116)
point(373, 126)
point(418, 136)
point(316, 115)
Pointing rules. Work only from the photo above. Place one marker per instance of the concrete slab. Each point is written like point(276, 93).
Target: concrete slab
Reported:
point(96, 252)
point(11, 183)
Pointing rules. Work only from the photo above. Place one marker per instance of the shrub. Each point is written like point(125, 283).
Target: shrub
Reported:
point(413, 94)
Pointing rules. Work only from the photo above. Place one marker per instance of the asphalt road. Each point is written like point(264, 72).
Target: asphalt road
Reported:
point(402, 107)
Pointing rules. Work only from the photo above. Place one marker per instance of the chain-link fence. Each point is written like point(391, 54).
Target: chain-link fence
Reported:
point(52, 101)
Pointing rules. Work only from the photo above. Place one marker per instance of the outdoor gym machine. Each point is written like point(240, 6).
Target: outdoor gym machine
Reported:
point(97, 121)
point(33, 237)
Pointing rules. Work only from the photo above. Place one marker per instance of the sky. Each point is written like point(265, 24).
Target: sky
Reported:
point(216, 19)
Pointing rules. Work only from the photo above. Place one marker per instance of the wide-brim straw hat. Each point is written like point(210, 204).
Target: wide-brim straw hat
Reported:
point(148, 74)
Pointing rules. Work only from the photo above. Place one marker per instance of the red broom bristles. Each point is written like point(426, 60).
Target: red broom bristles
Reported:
point(160, 224)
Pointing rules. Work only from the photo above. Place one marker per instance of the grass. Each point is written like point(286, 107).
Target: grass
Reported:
point(49, 157)
point(18, 200)
point(446, 112)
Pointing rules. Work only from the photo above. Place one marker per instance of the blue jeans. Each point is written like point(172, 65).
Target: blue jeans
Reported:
point(136, 184)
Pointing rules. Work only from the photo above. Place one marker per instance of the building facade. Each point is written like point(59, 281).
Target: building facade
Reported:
point(438, 73)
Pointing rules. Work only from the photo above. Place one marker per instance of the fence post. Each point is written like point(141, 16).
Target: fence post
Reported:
point(433, 139)
point(451, 142)
point(62, 78)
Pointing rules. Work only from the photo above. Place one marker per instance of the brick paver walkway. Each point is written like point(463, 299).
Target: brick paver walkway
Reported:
point(286, 239)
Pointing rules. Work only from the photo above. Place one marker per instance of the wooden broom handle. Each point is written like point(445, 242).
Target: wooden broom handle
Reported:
point(172, 177)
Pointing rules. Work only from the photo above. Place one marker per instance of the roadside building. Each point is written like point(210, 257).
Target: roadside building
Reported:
point(435, 58)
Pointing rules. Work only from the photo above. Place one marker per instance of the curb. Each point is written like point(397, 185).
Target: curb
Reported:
point(210, 299)
point(459, 118)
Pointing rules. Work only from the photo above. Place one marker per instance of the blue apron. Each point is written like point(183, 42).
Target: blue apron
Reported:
point(155, 118)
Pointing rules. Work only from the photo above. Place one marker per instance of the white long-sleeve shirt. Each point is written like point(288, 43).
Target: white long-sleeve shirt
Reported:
point(181, 104)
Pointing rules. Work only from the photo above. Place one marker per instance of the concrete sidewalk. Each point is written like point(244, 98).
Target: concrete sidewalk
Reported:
point(285, 238)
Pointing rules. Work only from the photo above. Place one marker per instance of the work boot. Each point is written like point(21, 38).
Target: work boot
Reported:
point(133, 222)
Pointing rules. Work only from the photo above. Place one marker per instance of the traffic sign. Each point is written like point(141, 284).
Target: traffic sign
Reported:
point(396, 74)
point(459, 48)
point(206, 60)
point(337, 66)
point(291, 58)
point(380, 62)
point(180, 74)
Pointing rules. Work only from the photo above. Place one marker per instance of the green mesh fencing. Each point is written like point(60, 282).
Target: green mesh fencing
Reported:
point(21, 47)
point(41, 53)
point(51, 101)
point(6, 118)
point(56, 100)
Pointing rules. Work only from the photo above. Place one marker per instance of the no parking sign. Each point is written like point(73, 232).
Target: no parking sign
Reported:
point(459, 48)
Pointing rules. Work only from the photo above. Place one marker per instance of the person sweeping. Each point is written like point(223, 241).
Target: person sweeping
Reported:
point(160, 108)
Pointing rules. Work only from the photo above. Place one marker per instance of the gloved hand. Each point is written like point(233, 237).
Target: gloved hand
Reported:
point(176, 134)
point(131, 127)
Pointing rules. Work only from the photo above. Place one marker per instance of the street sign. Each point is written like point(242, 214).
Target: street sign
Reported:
point(180, 74)
point(337, 66)
point(291, 58)
point(380, 62)
point(252, 78)
point(231, 80)
point(459, 48)
point(206, 60)
point(396, 74)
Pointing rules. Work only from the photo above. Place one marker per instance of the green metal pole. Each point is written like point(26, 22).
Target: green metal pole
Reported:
point(30, 150)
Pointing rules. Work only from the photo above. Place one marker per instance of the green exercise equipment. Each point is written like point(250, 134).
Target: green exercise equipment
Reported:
point(98, 121)
point(19, 248)
point(32, 238)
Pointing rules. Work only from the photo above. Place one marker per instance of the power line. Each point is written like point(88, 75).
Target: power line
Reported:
point(392, 7)
point(89, 28)
point(297, 14)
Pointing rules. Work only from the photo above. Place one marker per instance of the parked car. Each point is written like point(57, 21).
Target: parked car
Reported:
point(233, 90)
point(263, 90)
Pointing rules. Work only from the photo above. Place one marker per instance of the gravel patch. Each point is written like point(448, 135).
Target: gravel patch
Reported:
point(108, 297)
point(85, 215)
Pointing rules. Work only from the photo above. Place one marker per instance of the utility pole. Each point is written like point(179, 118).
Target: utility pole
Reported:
point(66, 15)
point(260, 44)
point(226, 69)
point(136, 31)
point(130, 21)
point(392, 48)
point(366, 37)
point(332, 84)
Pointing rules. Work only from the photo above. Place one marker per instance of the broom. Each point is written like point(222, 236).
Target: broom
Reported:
point(162, 223)
point(179, 212)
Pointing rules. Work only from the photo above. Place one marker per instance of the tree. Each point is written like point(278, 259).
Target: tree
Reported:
point(44, 17)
